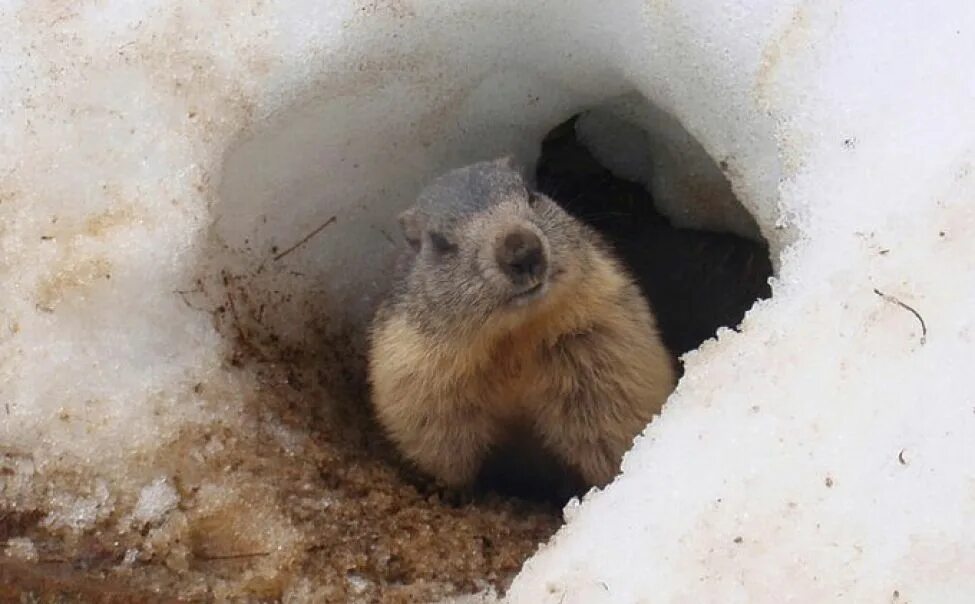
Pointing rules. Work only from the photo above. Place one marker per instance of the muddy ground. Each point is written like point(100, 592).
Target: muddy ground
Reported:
point(381, 532)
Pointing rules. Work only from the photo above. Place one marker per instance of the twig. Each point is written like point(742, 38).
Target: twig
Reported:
point(208, 558)
point(233, 313)
point(893, 300)
point(217, 557)
point(387, 237)
point(304, 240)
point(182, 293)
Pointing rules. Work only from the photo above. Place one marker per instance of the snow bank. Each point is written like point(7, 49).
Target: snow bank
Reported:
point(828, 450)
point(166, 164)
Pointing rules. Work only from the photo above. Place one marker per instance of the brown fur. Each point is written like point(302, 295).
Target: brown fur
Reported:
point(583, 366)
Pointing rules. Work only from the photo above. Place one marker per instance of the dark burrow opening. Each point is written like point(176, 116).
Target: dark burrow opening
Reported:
point(696, 282)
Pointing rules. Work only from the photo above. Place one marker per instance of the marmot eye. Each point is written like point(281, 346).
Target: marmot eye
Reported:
point(532, 198)
point(440, 243)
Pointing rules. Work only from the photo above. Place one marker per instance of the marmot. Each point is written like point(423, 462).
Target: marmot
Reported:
point(509, 311)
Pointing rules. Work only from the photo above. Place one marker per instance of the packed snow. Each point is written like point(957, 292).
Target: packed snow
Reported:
point(155, 155)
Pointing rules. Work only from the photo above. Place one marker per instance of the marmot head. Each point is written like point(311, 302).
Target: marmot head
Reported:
point(486, 244)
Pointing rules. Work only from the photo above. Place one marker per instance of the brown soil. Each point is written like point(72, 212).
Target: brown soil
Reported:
point(355, 525)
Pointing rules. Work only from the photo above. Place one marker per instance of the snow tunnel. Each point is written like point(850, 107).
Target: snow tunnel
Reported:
point(198, 210)
point(304, 234)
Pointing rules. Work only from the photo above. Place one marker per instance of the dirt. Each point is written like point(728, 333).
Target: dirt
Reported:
point(332, 514)
point(350, 523)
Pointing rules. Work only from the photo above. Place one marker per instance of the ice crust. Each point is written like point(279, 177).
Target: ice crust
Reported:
point(825, 450)
point(155, 501)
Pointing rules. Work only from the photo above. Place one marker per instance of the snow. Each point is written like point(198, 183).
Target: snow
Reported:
point(21, 548)
point(152, 153)
point(155, 501)
point(78, 513)
point(825, 451)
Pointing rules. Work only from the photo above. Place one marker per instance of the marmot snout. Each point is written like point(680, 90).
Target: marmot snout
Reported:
point(511, 312)
point(523, 258)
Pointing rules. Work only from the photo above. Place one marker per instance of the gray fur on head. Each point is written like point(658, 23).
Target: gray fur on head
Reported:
point(460, 193)
point(458, 229)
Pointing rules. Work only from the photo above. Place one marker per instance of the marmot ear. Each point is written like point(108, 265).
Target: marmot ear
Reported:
point(506, 161)
point(412, 223)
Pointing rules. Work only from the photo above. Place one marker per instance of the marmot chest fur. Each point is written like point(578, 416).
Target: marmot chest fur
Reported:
point(509, 310)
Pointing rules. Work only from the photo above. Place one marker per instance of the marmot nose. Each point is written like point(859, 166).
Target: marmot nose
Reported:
point(521, 256)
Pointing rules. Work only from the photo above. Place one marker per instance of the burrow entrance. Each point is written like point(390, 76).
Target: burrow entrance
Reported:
point(697, 281)
point(389, 533)
point(363, 525)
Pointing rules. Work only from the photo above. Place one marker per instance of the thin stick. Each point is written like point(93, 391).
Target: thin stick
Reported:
point(182, 293)
point(216, 557)
point(893, 300)
point(318, 230)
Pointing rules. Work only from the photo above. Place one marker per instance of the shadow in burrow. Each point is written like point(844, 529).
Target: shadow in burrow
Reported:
point(696, 281)
point(313, 380)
